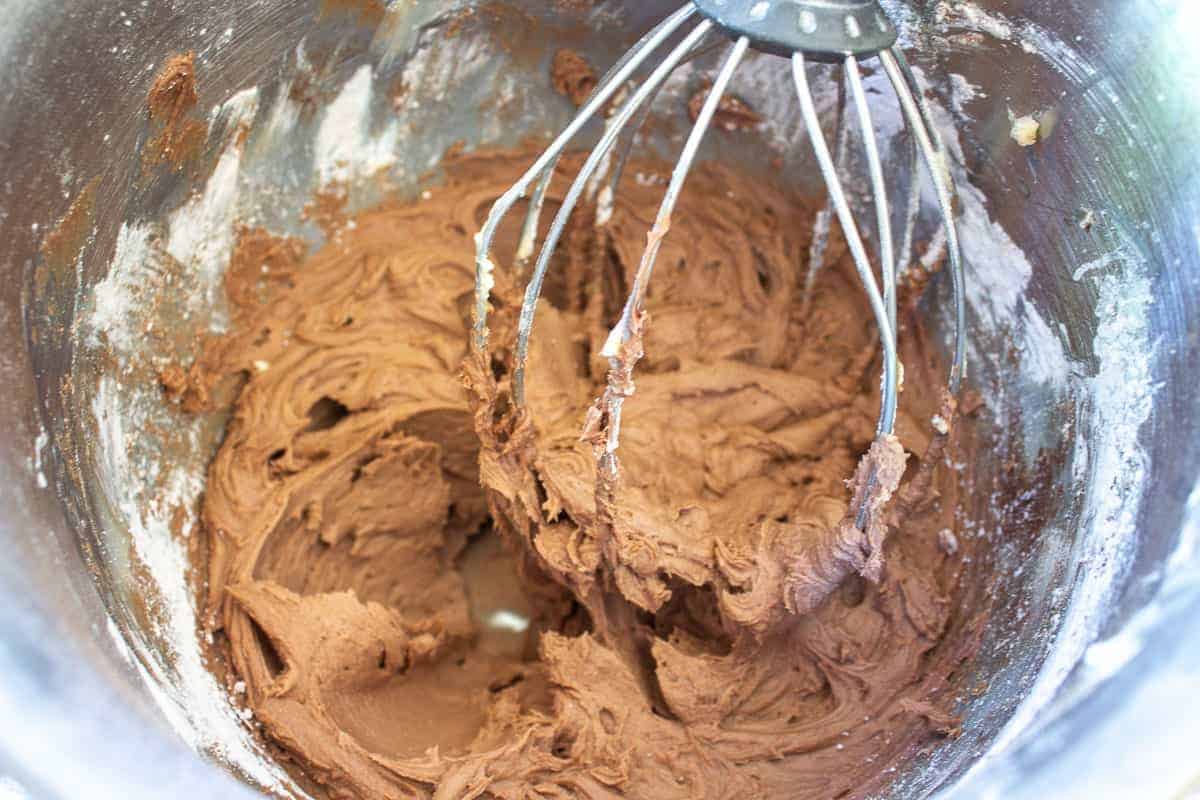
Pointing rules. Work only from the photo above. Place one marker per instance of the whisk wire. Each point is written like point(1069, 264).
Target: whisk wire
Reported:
point(912, 207)
point(534, 288)
point(626, 147)
point(919, 120)
point(543, 167)
point(887, 414)
point(824, 219)
point(622, 332)
point(883, 219)
point(528, 242)
point(679, 176)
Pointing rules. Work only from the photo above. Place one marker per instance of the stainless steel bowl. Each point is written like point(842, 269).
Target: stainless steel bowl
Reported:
point(1083, 255)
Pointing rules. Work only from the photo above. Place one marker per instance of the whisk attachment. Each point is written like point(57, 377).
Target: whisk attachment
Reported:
point(838, 31)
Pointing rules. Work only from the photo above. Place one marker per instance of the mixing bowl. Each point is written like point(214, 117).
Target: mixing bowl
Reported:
point(1083, 256)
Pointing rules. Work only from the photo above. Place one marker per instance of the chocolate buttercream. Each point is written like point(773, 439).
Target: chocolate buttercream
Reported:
point(717, 627)
point(177, 133)
point(572, 76)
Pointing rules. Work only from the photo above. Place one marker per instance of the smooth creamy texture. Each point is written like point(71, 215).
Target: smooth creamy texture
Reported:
point(709, 634)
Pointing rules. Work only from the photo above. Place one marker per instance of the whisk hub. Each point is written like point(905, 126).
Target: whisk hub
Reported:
point(822, 29)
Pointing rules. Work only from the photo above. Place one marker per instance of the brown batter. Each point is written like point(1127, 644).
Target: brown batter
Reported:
point(177, 133)
point(720, 630)
point(572, 76)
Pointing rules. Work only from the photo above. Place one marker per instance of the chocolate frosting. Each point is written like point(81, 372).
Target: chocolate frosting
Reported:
point(572, 76)
point(716, 627)
point(177, 133)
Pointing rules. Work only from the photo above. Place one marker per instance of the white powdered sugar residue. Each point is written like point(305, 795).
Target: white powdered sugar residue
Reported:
point(345, 148)
point(201, 233)
point(283, 115)
point(1028, 35)
point(972, 16)
point(1122, 392)
point(478, 73)
point(238, 110)
point(904, 17)
point(999, 274)
point(174, 670)
point(936, 251)
point(396, 35)
point(144, 489)
point(766, 82)
point(962, 92)
point(1109, 259)
point(133, 265)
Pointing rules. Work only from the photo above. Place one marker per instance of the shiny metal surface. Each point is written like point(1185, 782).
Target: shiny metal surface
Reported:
point(820, 27)
point(1091, 658)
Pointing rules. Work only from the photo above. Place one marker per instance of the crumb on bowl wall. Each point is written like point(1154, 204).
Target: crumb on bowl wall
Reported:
point(1026, 131)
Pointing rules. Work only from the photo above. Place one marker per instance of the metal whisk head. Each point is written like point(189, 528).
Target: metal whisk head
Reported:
point(838, 31)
